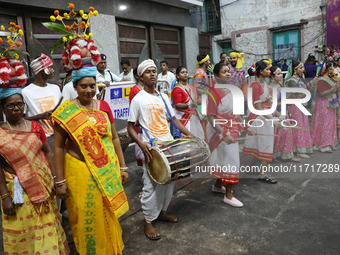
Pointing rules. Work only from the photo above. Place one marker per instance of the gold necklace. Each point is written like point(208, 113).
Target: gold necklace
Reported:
point(16, 129)
point(92, 119)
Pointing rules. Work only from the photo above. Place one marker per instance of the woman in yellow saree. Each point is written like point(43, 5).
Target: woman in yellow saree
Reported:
point(91, 173)
point(31, 222)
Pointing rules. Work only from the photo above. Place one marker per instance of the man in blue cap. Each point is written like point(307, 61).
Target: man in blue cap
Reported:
point(104, 75)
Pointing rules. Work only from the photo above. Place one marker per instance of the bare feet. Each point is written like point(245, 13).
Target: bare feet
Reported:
point(169, 218)
point(150, 231)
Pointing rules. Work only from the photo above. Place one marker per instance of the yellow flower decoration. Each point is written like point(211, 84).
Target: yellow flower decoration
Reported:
point(10, 42)
point(2, 28)
point(66, 16)
point(59, 18)
point(8, 37)
point(15, 35)
point(52, 18)
point(95, 13)
point(12, 29)
point(70, 37)
point(20, 32)
point(87, 37)
point(85, 17)
point(87, 24)
point(16, 56)
point(90, 34)
point(81, 12)
point(64, 39)
point(72, 14)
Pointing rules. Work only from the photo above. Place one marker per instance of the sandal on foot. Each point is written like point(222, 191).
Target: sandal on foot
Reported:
point(168, 218)
point(268, 179)
point(218, 190)
point(152, 233)
point(149, 234)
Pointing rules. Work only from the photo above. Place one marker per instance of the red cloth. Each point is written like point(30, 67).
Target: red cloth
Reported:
point(179, 96)
point(104, 106)
point(41, 63)
point(212, 107)
point(133, 92)
point(39, 131)
point(257, 91)
point(323, 86)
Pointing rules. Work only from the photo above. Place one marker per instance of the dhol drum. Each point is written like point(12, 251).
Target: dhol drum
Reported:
point(172, 160)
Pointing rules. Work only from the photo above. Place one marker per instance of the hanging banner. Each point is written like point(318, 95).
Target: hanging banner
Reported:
point(333, 24)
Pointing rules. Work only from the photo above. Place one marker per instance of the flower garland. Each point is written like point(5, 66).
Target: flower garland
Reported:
point(12, 72)
point(77, 43)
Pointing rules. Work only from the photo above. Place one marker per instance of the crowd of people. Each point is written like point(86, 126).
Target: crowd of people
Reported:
point(62, 142)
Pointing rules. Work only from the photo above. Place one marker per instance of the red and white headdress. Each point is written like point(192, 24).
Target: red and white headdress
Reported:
point(12, 72)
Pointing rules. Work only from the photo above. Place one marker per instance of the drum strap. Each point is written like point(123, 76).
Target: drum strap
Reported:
point(177, 133)
point(151, 140)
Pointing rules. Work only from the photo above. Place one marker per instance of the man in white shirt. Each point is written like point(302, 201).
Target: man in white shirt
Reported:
point(166, 74)
point(41, 97)
point(105, 76)
point(127, 73)
point(148, 108)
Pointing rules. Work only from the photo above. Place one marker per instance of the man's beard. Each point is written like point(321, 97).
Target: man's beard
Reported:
point(233, 63)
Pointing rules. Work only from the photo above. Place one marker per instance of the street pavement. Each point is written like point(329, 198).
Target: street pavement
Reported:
point(299, 215)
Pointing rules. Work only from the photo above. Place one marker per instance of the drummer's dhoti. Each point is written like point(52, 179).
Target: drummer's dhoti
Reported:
point(155, 197)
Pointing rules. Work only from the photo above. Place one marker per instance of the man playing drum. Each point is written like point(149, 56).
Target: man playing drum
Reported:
point(148, 108)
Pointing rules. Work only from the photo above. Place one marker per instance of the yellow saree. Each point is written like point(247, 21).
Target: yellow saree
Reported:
point(97, 198)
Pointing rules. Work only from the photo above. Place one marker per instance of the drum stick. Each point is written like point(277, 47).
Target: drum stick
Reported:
point(60, 100)
point(264, 134)
point(296, 127)
point(198, 114)
point(247, 138)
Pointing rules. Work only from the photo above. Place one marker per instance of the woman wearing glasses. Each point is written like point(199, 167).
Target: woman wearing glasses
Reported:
point(30, 218)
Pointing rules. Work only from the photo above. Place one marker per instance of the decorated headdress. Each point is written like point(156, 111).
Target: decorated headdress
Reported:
point(240, 60)
point(79, 48)
point(12, 72)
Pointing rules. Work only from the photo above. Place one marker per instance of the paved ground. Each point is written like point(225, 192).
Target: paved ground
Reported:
point(299, 215)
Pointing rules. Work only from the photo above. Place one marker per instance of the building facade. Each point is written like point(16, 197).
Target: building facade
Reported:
point(129, 29)
point(288, 29)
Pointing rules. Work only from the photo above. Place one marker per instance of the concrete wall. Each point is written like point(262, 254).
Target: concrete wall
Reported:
point(191, 49)
point(104, 31)
point(250, 25)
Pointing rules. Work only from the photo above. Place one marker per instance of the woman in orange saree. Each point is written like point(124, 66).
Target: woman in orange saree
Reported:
point(31, 221)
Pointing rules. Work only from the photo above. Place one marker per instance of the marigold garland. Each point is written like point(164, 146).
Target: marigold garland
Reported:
point(11, 69)
point(77, 43)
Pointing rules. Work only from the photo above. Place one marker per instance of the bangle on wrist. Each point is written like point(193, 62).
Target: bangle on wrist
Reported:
point(60, 182)
point(124, 169)
point(5, 195)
